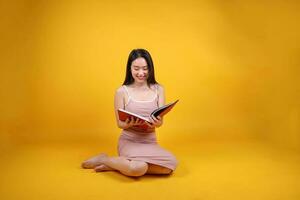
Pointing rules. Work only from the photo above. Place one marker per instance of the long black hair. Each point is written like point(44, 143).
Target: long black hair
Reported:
point(140, 53)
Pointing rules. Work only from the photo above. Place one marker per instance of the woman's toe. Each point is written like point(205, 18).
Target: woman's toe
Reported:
point(99, 168)
point(86, 165)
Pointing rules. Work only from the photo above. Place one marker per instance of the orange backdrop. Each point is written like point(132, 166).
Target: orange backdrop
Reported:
point(233, 65)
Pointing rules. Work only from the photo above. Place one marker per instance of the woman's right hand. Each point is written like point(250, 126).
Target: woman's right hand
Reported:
point(132, 122)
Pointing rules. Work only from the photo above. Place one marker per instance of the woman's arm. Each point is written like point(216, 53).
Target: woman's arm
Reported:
point(119, 103)
point(161, 98)
point(157, 122)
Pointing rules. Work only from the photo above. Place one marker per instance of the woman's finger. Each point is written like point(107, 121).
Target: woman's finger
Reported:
point(157, 122)
point(154, 118)
point(137, 120)
point(151, 120)
point(151, 126)
point(131, 121)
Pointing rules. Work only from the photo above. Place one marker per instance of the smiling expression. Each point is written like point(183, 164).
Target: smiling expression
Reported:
point(139, 70)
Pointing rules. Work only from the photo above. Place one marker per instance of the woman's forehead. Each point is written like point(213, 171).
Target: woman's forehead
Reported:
point(139, 62)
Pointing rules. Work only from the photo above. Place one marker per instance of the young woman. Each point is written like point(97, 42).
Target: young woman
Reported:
point(138, 150)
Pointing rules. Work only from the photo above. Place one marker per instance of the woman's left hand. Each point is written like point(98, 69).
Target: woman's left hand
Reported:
point(155, 122)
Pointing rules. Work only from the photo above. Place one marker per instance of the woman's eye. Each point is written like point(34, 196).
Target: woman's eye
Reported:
point(144, 69)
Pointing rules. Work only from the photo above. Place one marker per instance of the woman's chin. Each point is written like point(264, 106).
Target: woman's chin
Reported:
point(140, 81)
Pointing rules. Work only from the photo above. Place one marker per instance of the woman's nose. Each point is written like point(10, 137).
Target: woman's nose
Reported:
point(140, 73)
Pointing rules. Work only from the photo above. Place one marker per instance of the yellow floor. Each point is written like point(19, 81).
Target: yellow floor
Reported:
point(208, 170)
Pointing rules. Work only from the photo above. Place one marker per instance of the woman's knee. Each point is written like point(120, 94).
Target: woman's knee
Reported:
point(137, 168)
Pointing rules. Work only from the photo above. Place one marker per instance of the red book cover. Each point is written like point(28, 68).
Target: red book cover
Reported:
point(161, 111)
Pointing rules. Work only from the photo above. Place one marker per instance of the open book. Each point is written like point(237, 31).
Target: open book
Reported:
point(161, 111)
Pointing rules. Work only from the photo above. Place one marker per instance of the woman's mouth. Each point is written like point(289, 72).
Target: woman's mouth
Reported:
point(141, 78)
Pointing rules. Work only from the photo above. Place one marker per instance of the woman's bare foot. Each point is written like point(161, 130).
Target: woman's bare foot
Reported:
point(94, 161)
point(102, 167)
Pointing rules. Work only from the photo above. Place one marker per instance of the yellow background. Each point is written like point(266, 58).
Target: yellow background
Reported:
point(234, 65)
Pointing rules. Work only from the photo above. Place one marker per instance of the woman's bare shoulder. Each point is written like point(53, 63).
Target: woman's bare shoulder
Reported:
point(120, 90)
point(160, 87)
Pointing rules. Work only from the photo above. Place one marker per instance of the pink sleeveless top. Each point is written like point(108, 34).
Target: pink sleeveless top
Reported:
point(143, 146)
point(143, 108)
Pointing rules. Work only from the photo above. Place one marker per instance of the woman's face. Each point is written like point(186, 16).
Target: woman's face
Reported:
point(139, 70)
